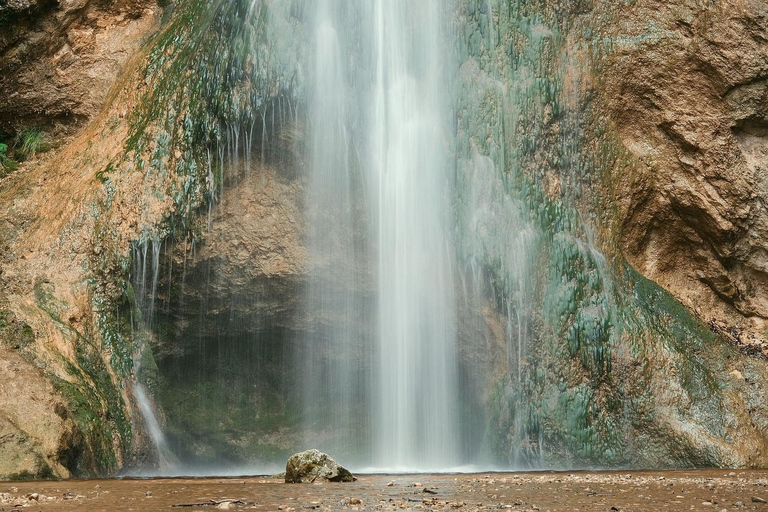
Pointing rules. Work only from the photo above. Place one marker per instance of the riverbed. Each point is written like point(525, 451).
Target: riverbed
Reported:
point(715, 490)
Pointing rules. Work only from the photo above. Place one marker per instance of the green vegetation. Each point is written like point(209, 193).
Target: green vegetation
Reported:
point(13, 333)
point(29, 142)
point(103, 175)
point(7, 165)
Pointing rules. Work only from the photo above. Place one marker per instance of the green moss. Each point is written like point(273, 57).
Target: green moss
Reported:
point(43, 472)
point(103, 175)
point(97, 408)
point(7, 165)
point(13, 333)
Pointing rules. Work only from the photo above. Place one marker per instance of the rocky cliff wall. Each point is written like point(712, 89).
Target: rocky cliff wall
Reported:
point(58, 60)
point(688, 99)
point(64, 409)
point(602, 365)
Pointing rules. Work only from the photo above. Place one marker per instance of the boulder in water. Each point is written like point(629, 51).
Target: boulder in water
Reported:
point(311, 465)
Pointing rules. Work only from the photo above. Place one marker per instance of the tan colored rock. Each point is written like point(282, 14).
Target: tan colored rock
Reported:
point(690, 103)
point(312, 465)
point(34, 427)
point(59, 60)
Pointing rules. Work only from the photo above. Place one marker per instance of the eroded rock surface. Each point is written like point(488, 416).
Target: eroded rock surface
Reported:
point(58, 60)
point(688, 94)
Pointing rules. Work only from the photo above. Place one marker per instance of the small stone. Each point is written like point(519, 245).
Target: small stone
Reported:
point(355, 501)
point(739, 504)
point(225, 505)
point(706, 503)
point(34, 496)
point(418, 484)
point(148, 494)
point(756, 499)
point(390, 484)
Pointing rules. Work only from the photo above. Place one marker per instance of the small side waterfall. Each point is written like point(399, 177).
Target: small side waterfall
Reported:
point(146, 270)
point(166, 460)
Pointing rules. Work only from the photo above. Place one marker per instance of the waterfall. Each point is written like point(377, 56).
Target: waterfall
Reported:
point(331, 377)
point(145, 310)
point(416, 417)
point(379, 93)
point(365, 365)
point(165, 458)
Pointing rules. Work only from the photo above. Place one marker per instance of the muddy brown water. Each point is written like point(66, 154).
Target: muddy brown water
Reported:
point(709, 490)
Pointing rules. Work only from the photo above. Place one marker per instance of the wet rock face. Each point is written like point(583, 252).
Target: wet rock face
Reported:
point(312, 465)
point(249, 264)
point(58, 60)
point(690, 102)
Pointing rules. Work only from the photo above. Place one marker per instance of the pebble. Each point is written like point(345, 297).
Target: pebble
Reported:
point(756, 499)
point(390, 484)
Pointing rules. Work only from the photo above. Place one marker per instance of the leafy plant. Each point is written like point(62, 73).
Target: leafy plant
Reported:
point(6, 164)
point(28, 142)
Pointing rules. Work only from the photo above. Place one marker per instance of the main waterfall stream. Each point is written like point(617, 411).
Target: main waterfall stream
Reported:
point(380, 135)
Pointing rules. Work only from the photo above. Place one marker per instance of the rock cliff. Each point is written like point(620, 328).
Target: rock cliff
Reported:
point(689, 103)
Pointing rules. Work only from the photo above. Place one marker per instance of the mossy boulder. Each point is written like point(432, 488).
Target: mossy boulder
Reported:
point(308, 466)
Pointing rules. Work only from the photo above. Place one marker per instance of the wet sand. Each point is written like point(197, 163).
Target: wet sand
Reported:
point(710, 490)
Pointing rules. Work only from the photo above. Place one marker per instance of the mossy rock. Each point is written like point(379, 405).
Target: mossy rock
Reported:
point(311, 465)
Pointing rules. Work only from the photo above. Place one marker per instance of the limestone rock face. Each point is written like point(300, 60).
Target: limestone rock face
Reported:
point(58, 60)
point(311, 465)
point(35, 428)
point(691, 104)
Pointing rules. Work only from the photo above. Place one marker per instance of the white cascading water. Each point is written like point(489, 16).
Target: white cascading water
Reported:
point(417, 418)
point(331, 377)
point(392, 97)
point(166, 459)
